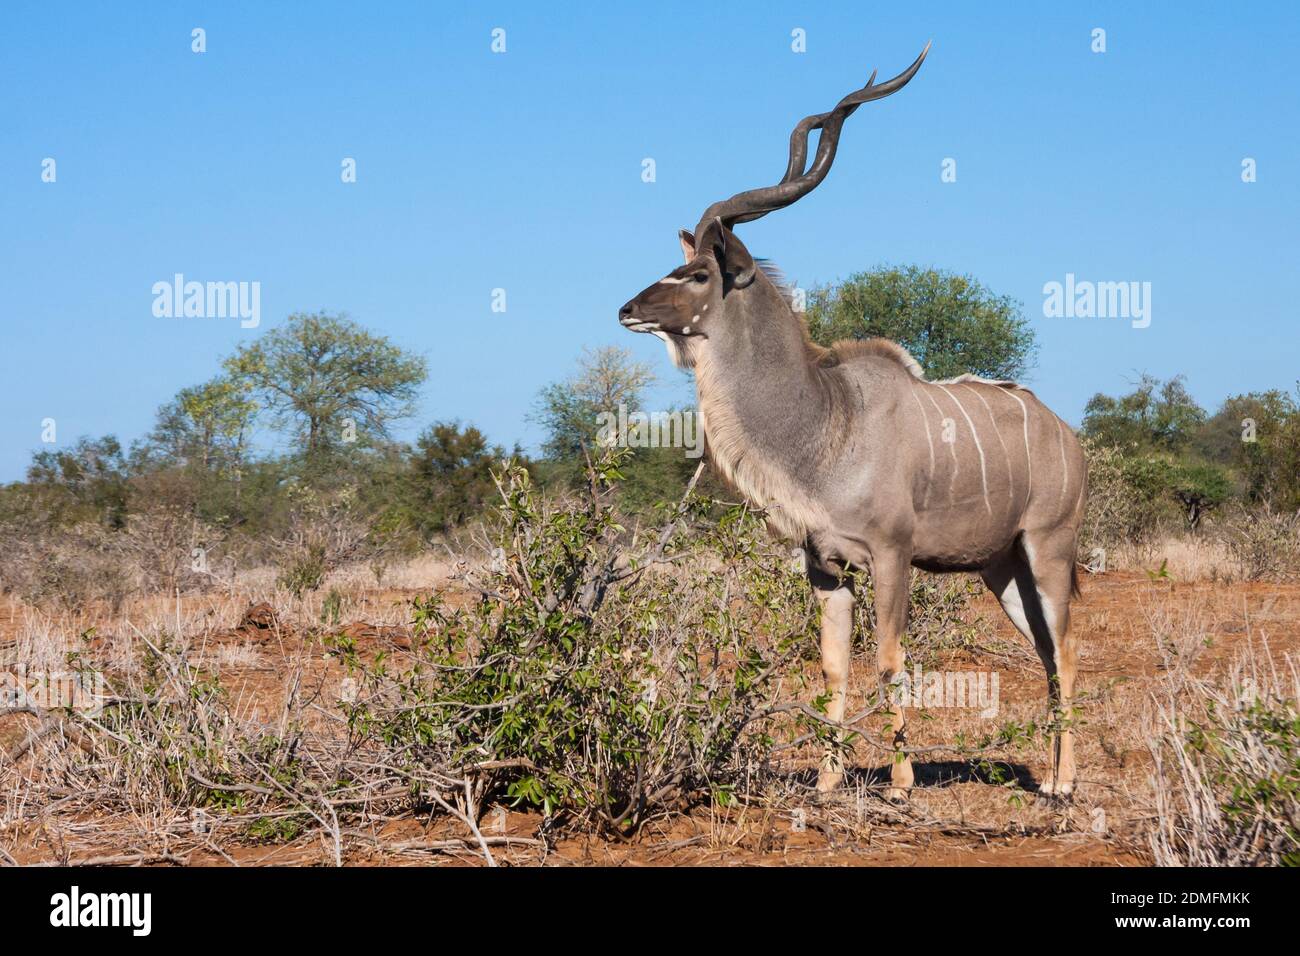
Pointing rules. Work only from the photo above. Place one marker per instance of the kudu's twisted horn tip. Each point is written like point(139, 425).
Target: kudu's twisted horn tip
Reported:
point(903, 78)
point(801, 178)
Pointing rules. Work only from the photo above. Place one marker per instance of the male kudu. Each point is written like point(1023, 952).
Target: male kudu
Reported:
point(854, 455)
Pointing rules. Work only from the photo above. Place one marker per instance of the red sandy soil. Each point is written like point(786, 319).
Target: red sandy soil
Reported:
point(955, 816)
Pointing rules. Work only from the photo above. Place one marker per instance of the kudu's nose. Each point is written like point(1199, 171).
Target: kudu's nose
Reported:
point(625, 313)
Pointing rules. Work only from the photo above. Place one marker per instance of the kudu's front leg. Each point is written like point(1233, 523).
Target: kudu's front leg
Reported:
point(890, 578)
point(836, 599)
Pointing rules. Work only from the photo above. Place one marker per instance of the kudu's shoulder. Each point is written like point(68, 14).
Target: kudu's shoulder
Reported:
point(850, 351)
point(853, 351)
point(884, 354)
point(1026, 403)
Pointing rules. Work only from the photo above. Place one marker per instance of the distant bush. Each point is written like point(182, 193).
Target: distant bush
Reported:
point(1126, 504)
point(1134, 496)
point(325, 532)
point(69, 569)
point(1264, 544)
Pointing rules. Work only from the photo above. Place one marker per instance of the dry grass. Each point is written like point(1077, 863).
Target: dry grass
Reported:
point(1154, 653)
point(1226, 774)
point(1237, 545)
point(1185, 558)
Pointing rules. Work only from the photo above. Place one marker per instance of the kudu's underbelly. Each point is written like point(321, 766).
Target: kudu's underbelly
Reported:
point(964, 537)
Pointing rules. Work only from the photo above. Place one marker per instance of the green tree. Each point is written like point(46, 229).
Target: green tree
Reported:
point(1199, 487)
point(330, 381)
point(1257, 435)
point(205, 425)
point(87, 482)
point(1155, 416)
point(951, 323)
point(1170, 451)
point(605, 378)
point(450, 479)
point(570, 413)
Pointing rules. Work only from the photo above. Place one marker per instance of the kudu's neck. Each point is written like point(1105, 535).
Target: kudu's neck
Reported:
point(768, 410)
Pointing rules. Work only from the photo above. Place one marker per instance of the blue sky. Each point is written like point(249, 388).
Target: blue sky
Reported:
point(522, 171)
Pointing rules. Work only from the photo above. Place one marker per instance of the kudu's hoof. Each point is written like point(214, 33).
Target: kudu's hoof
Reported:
point(1049, 791)
point(898, 796)
point(828, 780)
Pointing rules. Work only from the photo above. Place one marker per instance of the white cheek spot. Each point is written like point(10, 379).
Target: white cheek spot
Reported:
point(706, 307)
point(686, 331)
point(696, 318)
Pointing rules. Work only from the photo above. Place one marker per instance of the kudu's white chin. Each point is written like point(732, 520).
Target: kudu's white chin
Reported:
point(679, 350)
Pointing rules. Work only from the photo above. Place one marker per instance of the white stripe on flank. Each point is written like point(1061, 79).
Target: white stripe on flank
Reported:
point(1006, 455)
point(952, 448)
point(1029, 459)
point(929, 441)
point(1065, 471)
point(984, 478)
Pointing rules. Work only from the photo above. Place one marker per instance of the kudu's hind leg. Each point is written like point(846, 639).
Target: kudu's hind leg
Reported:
point(1032, 582)
point(891, 580)
point(1051, 559)
point(836, 601)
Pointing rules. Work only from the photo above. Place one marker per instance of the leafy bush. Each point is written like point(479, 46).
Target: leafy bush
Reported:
point(1125, 502)
point(1134, 496)
point(590, 680)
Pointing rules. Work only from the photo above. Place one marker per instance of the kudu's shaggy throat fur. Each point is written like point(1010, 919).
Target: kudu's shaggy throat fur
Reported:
point(858, 458)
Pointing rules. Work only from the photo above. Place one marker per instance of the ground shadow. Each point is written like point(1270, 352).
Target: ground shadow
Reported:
point(935, 774)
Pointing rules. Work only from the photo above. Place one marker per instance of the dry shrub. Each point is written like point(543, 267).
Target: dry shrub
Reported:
point(1263, 544)
point(605, 678)
point(324, 533)
point(171, 549)
point(1227, 767)
point(938, 618)
point(160, 549)
point(1125, 510)
point(1113, 519)
point(70, 569)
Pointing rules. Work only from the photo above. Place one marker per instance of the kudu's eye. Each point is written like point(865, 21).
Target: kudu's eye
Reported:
point(701, 277)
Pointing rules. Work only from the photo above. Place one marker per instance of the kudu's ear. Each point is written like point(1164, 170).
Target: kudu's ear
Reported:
point(734, 260)
point(688, 244)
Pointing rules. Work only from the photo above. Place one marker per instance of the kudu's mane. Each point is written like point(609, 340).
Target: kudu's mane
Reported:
point(849, 349)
